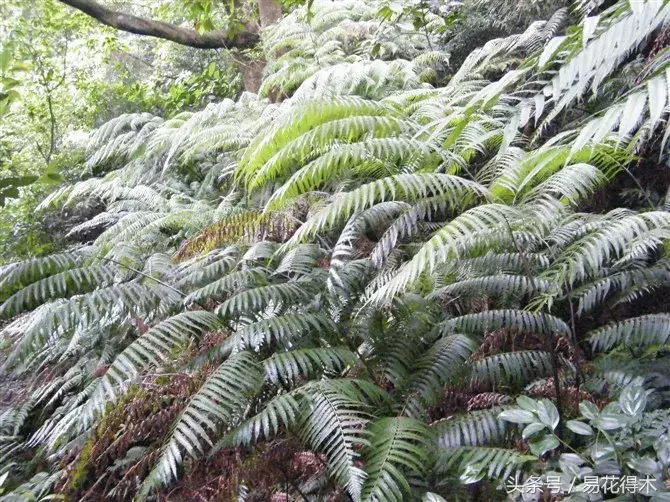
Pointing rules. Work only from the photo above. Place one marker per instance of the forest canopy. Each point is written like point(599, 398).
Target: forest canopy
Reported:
point(324, 250)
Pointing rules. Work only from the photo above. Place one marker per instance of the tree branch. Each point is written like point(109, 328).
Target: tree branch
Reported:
point(184, 36)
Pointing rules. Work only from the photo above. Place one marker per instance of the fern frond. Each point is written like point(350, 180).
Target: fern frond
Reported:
point(476, 462)
point(457, 192)
point(492, 320)
point(285, 329)
point(16, 275)
point(450, 242)
point(335, 425)
point(60, 285)
point(514, 368)
point(306, 363)
point(503, 284)
point(475, 428)
point(397, 445)
point(154, 348)
point(653, 329)
point(445, 361)
point(256, 299)
point(228, 284)
point(282, 411)
point(218, 402)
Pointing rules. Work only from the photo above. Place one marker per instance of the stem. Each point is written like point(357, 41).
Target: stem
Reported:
point(181, 293)
point(551, 338)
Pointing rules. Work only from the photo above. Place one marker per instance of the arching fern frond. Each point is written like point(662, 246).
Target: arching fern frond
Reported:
point(256, 299)
point(16, 275)
point(306, 363)
point(475, 428)
point(221, 398)
point(285, 329)
point(153, 348)
point(476, 462)
point(653, 329)
point(512, 368)
point(335, 425)
point(442, 363)
point(60, 285)
point(457, 192)
point(397, 446)
point(492, 320)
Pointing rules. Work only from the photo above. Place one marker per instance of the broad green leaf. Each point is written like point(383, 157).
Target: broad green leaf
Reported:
point(579, 428)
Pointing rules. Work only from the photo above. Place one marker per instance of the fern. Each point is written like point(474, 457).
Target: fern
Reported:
point(496, 319)
point(653, 329)
point(396, 445)
point(334, 425)
point(512, 368)
point(476, 428)
point(353, 254)
point(220, 399)
point(305, 363)
point(475, 462)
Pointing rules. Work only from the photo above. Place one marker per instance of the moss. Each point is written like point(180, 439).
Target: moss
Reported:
point(80, 472)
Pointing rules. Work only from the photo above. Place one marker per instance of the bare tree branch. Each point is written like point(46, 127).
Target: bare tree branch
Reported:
point(184, 36)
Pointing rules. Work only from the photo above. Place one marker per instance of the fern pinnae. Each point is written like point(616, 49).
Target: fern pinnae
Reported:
point(652, 329)
point(298, 364)
point(153, 348)
point(223, 395)
point(60, 285)
point(397, 444)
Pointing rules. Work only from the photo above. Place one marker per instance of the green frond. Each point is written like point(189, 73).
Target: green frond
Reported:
point(323, 137)
point(274, 295)
point(120, 138)
point(452, 241)
point(205, 270)
point(583, 258)
point(492, 320)
point(476, 462)
point(282, 411)
point(455, 190)
point(300, 364)
point(511, 368)
point(154, 348)
point(637, 332)
point(388, 155)
point(369, 79)
point(444, 362)
point(227, 285)
point(407, 224)
point(297, 123)
point(475, 428)
point(60, 285)
point(627, 284)
point(53, 320)
point(219, 402)
point(588, 67)
point(348, 260)
point(300, 261)
point(503, 284)
point(14, 276)
point(397, 445)
point(493, 263)
point(335, 425)
point(286, 329)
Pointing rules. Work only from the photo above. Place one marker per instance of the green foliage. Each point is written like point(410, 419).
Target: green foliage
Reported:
point(358, 276)
point(621, 436)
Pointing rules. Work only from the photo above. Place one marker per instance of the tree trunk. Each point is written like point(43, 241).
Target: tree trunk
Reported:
point(244, 39)
point(252, 71)
point(270, 11)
